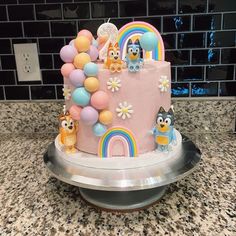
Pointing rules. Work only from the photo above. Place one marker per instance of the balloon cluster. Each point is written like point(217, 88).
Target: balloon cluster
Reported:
point(81, 71)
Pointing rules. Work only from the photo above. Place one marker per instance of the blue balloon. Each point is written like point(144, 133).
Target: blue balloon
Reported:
point(95, 43)
point(99, 129)
point(81, 97)
point(148, 41)
point(91, 69)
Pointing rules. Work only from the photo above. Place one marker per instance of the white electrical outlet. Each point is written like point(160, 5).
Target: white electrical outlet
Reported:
point(27, 62)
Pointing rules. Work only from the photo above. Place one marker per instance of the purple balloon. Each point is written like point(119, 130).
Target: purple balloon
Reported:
point(89, 115)
point(93, 53)
point(77, 77)
point(68, 53)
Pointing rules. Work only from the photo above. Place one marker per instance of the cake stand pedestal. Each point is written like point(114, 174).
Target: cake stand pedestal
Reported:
point(128, 189)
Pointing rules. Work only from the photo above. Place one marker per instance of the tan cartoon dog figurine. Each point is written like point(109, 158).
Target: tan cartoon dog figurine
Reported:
point(68, 130)
point(113, 61)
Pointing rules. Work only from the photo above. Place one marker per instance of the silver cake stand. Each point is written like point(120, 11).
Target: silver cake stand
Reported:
point(128, 189)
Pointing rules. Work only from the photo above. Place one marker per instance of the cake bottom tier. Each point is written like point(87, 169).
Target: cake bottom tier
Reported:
point(146, 159)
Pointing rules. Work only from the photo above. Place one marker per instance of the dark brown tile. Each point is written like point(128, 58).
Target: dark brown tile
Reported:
point(42, 92)
point(76, 11)
point(133, 8)
point(17, 92)
point(63, 28)
point(162, 7)
point(36, 29)
point(104, 9)
point(21, 12)
point(48, 12)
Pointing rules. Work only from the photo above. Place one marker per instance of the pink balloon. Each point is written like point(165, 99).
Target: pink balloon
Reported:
point(89, 115)
point(77, 77)
point(68, 53)
point(86, 33)
point(75, 112)
point(100, 100)
point(66, 69)
point(93, 53)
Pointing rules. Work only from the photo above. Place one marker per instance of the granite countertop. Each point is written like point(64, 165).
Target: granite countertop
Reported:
point(34, 203)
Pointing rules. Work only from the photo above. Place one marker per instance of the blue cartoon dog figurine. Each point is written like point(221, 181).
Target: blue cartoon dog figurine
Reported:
point(164, 130)
point(133, 57)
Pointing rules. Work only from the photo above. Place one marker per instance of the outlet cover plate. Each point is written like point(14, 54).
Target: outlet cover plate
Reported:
point(27, 62)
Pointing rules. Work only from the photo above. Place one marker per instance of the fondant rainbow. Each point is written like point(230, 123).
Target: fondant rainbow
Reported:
point(114, 134)
point(137, 28)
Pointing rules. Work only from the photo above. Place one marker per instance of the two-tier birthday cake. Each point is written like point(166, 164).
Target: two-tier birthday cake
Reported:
point(117, 93)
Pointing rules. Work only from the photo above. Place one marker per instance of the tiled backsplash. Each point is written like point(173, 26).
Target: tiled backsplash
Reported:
point(199, 37)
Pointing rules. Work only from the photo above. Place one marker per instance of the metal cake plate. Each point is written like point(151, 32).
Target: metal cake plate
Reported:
point(127, 189)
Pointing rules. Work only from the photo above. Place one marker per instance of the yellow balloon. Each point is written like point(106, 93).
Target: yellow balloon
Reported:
point(105, 117)
point(91, 84)
point(82, 44)
point(81, 59)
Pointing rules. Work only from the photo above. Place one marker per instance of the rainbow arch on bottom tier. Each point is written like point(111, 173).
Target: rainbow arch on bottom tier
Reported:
point(117, 133)
point(136, 29)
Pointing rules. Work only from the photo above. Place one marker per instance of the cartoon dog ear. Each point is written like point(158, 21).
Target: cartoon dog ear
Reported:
point(137, 42)
point(61, 117)
point(129, 42)
point(171, 112)
point(161, 110)
point(116, 45)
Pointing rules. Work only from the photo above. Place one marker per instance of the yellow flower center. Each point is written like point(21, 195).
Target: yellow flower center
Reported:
point(125, 110)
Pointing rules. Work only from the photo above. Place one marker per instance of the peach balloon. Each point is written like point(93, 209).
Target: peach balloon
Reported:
point(66, 69)
point(82, 44)
point(75, 112)
point(81, 59)
point(102, 39)
point(105, 117)
point(86, 33)
point(100, 100)
point(91, 84)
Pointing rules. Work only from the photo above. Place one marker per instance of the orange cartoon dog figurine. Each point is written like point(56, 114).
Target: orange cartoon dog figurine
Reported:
point(68, 130)
point(113, 61)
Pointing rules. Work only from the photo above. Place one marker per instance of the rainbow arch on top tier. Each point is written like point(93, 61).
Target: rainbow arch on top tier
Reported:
point(117, 133)
point(135, 29)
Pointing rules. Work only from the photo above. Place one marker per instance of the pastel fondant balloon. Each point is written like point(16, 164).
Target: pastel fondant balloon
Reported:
point(100, 100)
point(66, 69)
point(77, 77)
point(105, 117)
point(81, 97)
point(89, 115)
point(81, 59)
point(91, 84)
point(75, 112)
point(148, 41)
point(86, 33)
point(82, 43)
point(95, 43)
point(99, 129)
point(67, 53)
point(71, 43)
point(93, 53)
point(91, 69)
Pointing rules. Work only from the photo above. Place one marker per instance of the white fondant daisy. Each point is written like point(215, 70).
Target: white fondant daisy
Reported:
point(114, 84)
point(164, 83)
point(124, 110)
point(66, 92)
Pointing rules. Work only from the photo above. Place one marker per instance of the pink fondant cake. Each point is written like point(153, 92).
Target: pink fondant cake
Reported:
point(117, 91)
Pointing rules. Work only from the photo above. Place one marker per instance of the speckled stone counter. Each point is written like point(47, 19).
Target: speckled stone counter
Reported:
point(34, 203)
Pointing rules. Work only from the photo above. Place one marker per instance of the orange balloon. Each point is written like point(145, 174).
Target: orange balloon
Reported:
point(91, 84)
point(105, 117)
point(82, 43)
point(86, 33)
point(81, 59)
